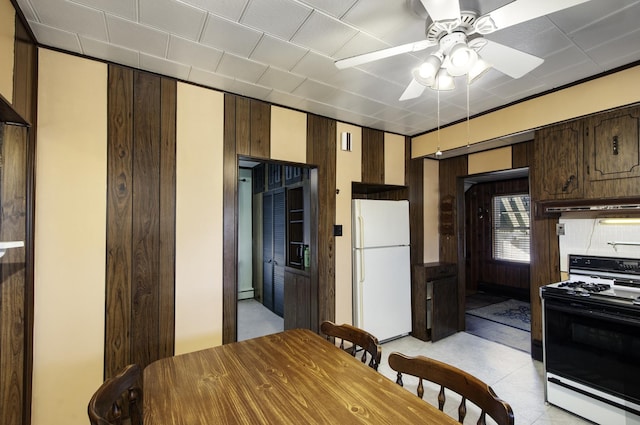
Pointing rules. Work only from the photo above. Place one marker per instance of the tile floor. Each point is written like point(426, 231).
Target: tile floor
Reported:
point(513, 374)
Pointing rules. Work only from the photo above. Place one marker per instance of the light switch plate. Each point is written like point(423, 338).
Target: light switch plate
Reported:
point(559, 229)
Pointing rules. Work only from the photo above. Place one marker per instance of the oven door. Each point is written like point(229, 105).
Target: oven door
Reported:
point(595, 345)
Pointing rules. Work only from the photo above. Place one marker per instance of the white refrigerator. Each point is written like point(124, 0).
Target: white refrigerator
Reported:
point(381, 267)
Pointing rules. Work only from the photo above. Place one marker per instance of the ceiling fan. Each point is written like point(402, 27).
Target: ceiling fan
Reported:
point(461, 47)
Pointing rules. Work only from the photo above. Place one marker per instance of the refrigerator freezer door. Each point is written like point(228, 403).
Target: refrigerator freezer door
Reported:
point(380, 223)
point(382, 291)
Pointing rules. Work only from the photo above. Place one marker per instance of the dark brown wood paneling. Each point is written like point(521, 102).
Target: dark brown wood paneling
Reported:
point(321, 150)
point(522, 154)
point(140, 219)
point(119, 218)
point(242, 116)
point(229, 219)
point(14, 361)
point(25, 91)
point(260, 129)
point(449, 171)
point(167, 218)
point(372, 156)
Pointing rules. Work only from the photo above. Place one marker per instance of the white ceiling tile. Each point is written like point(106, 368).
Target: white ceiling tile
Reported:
point(280, 80)
point(335, 8)
point(353, 102)
point(276, 17)
point(110, 52)
point(559, 61)
point(164, 66)
point(250, 90)
point(315, 91)
point(517, 88)
point(334, 34)
point(198, 55)
point(173, 17)
point(316, 66)
point(240, 68)
point(27, 10)
point(382, 17)
point(136, 36)
point(359, 44)
point(277, 52)
point(229, 36)
point(283, 99)
point(230, 9)
point(56, 38)
point(72, 18)
point(123, 8)
point(609, 28)
point(206, 78)
point(391, 114)
point(574, 18)
point(616, 52)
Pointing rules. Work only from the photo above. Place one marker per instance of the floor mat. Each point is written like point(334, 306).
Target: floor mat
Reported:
point(496, 332)
point(514, 313)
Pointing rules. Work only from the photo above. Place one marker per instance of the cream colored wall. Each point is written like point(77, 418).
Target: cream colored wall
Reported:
point(199, 153)
point(7, 35)
point(70, 237)
point(288, 135)
point(596, 95)
point(431, 193)
point(394, 161)
point(348, 169)
point(487, 161)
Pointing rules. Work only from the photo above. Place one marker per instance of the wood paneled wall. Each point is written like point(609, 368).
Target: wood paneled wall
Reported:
point(17, 182)
point(14, 290)
point(247, 130)
point(372, 156)
point(321, 151)
point(140, 263)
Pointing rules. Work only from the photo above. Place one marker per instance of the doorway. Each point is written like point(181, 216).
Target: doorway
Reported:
point(496, 257)
point(274, 232)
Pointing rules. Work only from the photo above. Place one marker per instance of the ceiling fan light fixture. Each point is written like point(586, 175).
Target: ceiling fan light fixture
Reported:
point(462, 59)
point(429, 68)
point(479, 68)
point(443, 81)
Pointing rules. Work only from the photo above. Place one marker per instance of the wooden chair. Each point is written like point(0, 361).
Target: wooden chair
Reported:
point(358, 338)
point(467, 386)
point(105, 407)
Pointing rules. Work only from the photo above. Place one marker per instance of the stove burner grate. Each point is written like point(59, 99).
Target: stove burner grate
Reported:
point(590, 287)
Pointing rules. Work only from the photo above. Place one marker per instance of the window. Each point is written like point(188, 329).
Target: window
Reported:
point(511, 228)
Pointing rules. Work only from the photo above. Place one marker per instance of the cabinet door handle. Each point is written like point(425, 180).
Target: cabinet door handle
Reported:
point(615, 145)
point(567, 183)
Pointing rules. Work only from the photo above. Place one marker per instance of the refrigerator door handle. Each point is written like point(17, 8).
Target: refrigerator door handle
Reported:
point(360, 253)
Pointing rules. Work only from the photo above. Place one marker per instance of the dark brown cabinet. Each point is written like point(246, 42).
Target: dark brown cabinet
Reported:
point(612, 153)
point(297, 299)
point(274, 247)
point(559, 162)
point(434, 299)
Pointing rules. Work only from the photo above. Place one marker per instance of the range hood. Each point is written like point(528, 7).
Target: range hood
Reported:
point(593, 205)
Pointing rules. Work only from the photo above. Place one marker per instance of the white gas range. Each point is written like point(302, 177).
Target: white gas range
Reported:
point(591, 339)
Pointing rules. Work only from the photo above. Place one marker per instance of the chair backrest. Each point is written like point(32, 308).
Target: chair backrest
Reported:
point(467, 386)
point(105, 407)
point(359, 339)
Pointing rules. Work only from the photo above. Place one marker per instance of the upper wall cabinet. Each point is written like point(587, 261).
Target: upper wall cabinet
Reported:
point(612, 153)
point(558, 162)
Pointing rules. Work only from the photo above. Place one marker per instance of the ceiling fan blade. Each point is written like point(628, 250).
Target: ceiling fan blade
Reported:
point(510, 61)
point(413, 90)
point(520, 11)
point(416, 46)
point(442, 10)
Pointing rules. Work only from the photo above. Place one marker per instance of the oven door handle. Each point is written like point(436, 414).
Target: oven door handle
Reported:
point(585, 311)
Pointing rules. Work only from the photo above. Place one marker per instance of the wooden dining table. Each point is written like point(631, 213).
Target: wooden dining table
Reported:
point(292, 377)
